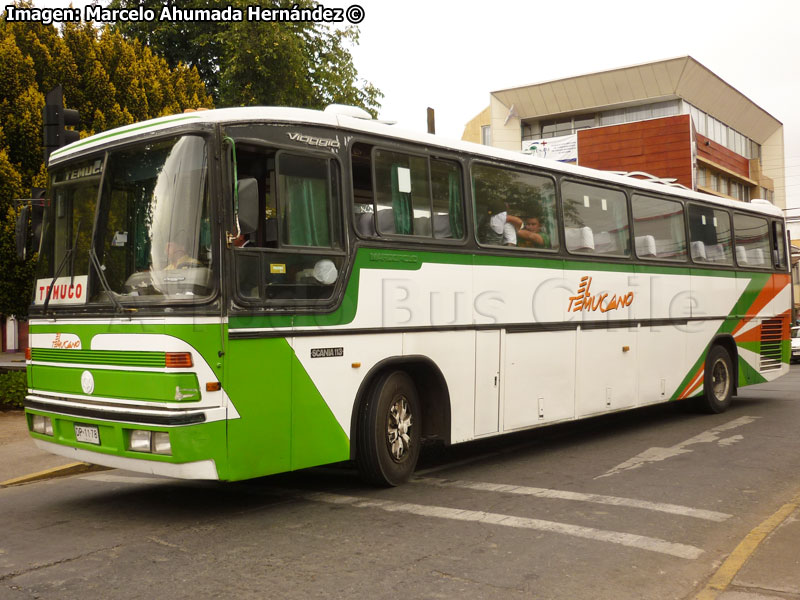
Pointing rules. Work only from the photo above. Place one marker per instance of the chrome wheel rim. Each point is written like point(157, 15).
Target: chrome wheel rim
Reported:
point(398, 428)
point(720, 380)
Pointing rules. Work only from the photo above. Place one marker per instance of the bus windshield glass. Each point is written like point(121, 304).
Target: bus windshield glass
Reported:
point(151, 240)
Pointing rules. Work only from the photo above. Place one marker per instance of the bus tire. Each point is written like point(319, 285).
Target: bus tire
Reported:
point(718, 382)
point(389, 431)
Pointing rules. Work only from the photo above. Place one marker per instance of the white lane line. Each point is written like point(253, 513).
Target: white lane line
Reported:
point(614, 537)
point(675, 509)
point(658, 454)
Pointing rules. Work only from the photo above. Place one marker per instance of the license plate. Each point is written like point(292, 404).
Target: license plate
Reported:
point(88, 434)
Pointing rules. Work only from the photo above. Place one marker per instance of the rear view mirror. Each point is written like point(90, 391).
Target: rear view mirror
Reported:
point(21, 233)
point(248, 205)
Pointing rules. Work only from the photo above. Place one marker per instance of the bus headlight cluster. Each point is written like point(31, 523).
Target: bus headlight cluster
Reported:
point(42, 424)
point(155, 442)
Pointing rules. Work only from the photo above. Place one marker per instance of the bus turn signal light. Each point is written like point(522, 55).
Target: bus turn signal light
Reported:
point(179, 360)
point(213, 386)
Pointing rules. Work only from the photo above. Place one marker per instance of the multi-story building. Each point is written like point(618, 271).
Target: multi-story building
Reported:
point(672, 119)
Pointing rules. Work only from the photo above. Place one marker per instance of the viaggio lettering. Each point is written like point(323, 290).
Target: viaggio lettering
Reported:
point(314, 141)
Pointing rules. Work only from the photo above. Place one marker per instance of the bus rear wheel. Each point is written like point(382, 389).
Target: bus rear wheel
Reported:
point(718, 382)
point(389, 427)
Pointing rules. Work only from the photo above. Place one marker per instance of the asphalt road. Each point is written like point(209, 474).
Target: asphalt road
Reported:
point(643, 504)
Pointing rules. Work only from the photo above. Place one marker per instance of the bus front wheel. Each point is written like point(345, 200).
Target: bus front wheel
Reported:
point(718, 382)
point(389, 431)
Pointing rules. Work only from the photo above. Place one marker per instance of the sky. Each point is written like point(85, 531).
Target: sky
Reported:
point(449, 55)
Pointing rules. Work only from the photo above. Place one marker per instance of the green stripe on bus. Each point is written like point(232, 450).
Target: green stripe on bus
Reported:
point(119, 132)
point(410, 260)
point(122, 358)
point(205, 338)
point(112, 383)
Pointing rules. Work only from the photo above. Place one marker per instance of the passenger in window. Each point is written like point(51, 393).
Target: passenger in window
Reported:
point(493, 225)
point(243, 241)
point(529, 232)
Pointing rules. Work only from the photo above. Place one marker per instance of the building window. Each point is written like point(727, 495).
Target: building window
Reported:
point(640, 113)
point(486, 135)
point(717, 131)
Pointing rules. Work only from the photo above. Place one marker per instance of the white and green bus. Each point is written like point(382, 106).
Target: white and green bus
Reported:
point(233, 293)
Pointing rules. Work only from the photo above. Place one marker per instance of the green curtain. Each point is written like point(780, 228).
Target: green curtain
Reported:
point(401, 206)
point(306, 212)
point(456, 207)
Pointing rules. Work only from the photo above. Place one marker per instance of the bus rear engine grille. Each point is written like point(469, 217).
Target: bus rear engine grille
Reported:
point(771, 334)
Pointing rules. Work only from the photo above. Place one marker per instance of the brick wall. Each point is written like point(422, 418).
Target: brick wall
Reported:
point(661, 147)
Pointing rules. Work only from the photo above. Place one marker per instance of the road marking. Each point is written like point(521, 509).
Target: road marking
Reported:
point(674, 509)
point(730, 568)
point(614, 537)
point(657, 454)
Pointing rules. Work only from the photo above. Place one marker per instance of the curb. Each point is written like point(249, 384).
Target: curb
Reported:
point(62, 471)
point(719, 582)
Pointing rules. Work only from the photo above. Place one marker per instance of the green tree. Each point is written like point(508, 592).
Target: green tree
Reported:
point(111, 80)
point(303, 64)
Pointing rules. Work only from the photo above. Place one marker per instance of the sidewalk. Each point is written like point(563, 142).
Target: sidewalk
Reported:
point(19, 456)
point(12, 360)
point(765, 565)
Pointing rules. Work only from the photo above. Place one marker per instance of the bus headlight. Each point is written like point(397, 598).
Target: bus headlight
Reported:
point(140, 441)
point(156, 442)
point(161, 443)
point(42, 424)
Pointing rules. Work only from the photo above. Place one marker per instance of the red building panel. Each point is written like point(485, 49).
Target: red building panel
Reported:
point(720, 155)
point(661, 147)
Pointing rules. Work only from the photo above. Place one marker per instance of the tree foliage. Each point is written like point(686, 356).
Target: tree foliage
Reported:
point(303, 64)
point(110, 80)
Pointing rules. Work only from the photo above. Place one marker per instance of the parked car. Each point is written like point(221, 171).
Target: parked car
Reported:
point(795, 345)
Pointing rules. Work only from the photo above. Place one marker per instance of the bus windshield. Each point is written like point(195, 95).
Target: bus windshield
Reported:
point(151, 240)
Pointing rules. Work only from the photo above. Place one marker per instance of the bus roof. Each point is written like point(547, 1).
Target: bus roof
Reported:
point(341, 117)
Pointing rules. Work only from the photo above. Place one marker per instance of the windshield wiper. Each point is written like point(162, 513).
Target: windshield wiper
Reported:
point(69, 254)
point(103, 281)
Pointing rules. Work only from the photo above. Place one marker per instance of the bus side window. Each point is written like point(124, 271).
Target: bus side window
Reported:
point(402, 194)
point(658, 228)
point(414, 195)
point(363, 199)
point(752, 241)
point(710, 235)
point(258, 163)
point(778, 246)
point(513, 208)
point(597, 214)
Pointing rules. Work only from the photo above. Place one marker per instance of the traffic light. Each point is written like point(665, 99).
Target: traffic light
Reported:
point(55, 119)
point(32, 212)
